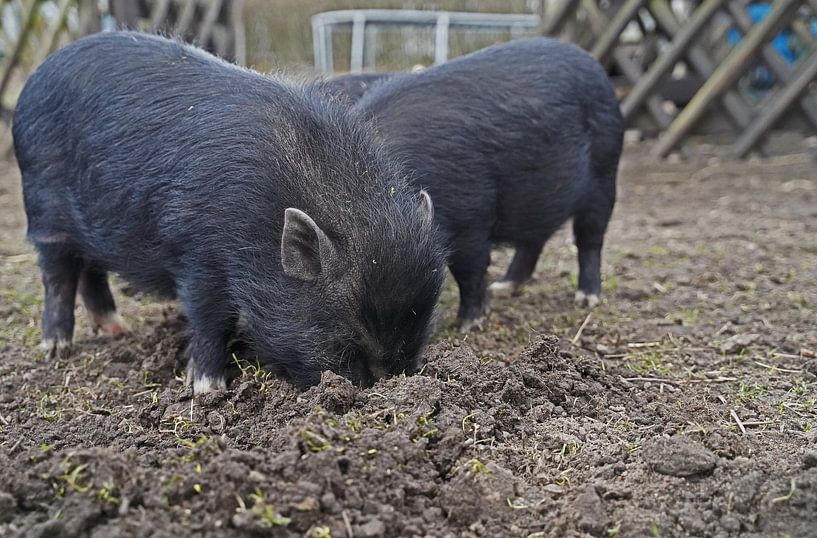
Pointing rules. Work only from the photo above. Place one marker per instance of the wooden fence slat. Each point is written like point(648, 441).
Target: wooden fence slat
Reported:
point(29, 14)
point(209, 20)
point(776, 64)
point(633, 72)
point(727, 73)
point(609, 38)
point(598, 20)
point(126, 13)
point(89, 16)
point(239, 32)
point(777, 106)
point(735, 106)
point(56, 31)
point(159, 14)
point(557, 22)
point(185, 19)
point(644, 88)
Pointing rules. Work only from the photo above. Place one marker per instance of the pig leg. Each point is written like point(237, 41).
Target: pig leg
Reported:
point(60, 271)
point(589, 226)
point(210, 334)
point(98, 300)
point(468, 268)
point(519, 271)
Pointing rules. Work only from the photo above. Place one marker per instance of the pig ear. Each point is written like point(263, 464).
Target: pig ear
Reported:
point(426, 208)
point(305, 248)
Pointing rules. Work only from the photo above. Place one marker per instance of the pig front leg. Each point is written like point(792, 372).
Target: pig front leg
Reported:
point(60, 271)
point(468, 265)
point(210, 331)
point(589, 227)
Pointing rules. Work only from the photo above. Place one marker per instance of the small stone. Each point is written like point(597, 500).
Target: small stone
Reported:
point(373, 528)
point(256, 476)
point(739, 342)
point(308, 504)
point(678, 456)
point(554, 488)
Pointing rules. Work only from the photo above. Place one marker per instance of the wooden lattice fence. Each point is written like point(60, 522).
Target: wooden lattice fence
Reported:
point(32, 29)
point(687, 63)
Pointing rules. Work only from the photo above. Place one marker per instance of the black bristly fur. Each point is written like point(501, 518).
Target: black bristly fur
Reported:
point(350, 88)
point(152, 159)
point(510, 142)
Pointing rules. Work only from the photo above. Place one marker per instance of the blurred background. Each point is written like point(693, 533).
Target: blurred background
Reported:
point(682, 68)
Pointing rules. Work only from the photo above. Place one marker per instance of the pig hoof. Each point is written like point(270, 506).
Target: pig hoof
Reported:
point(55, 348)
point(205, 384)
point(502, 288)
point(581, 299)
point(111, 324)
point(468, 325)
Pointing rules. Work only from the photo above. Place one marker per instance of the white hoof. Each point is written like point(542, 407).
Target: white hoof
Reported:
point(55, 348)
point(204, 384)
point(581, 299)
point(471, 324)
point(502, 288)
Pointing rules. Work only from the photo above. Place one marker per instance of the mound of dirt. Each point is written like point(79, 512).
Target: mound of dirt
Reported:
point(470, 447)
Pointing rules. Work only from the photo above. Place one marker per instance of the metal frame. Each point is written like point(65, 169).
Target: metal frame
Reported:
point(322, 25)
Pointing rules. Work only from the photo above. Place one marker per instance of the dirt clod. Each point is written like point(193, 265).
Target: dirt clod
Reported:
point(589, 507)
point(678, 456)
point(739, 342)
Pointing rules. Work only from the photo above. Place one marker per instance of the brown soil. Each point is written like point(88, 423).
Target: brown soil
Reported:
point(685, 405)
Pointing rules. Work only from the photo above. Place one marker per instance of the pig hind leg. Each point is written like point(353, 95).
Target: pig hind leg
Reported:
point(519, 271)
point(60, 267)
point(469, 267)
point(589, 227)
point(98, 299)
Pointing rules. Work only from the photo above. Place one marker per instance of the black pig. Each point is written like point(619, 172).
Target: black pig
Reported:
point(352, 87)
point(261, 205)
point(510, 142)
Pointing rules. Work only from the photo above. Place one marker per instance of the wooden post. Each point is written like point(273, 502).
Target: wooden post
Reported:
point(609, 38)
point(776, 64)
point(778, 104)
point(669, 58)
point(727, 72)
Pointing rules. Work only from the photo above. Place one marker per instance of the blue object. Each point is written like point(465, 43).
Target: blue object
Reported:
point(781, 42)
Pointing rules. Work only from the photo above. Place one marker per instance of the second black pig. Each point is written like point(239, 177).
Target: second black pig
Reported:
point(265, 208)
point(351, 87)
point(510, 141)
